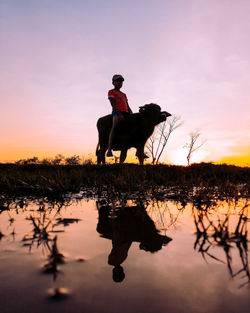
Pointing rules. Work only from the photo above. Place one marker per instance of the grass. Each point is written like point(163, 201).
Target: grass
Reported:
point(47, 178)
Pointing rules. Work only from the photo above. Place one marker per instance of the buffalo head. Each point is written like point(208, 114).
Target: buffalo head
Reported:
point(154, 110)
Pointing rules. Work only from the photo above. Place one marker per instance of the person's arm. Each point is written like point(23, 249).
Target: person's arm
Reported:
point(129, 109)
point(112, 99)
point(113, 104)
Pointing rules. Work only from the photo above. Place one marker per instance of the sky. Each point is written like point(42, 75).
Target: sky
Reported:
point(57, 59)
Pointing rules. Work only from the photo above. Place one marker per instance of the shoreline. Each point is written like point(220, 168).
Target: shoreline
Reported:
point(128, 178)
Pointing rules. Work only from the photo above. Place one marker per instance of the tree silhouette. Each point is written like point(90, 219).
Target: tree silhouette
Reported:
point(193, 145)
point(158, 141)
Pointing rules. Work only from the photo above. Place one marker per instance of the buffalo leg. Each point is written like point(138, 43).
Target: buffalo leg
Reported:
point(99, 159)
point(102, 156)
point(123, 155)
point(140, 154)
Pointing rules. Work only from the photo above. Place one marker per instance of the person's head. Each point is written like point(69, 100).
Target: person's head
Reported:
point(117, 81)
point(118, 274)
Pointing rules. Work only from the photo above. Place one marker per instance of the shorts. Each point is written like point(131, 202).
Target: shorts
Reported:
point(115, 114)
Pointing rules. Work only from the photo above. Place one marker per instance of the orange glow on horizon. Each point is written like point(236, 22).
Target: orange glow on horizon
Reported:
point(239, 160)
point(239, 157)
point(242, 160)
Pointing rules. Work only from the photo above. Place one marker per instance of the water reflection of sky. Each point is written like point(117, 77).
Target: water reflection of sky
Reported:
point(174, 279)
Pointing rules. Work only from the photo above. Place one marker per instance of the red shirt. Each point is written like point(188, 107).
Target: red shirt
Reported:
point(120, 99)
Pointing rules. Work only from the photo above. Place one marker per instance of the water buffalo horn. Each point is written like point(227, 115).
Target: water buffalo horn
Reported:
point(166, 113)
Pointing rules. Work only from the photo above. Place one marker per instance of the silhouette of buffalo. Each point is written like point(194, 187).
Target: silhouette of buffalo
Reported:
point(125, 225)
point(133, 131)
point(130, 224)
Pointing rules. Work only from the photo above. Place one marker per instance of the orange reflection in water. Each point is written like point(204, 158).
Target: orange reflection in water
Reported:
point(172, 273)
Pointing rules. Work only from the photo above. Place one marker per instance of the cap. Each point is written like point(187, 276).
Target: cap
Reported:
point(116, 77)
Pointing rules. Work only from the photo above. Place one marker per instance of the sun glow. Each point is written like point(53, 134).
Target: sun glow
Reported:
point(179, 157)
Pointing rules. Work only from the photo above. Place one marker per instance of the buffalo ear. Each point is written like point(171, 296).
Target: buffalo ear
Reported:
point(142, 108)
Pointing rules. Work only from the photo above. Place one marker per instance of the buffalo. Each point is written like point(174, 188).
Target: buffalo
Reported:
point(132, 132)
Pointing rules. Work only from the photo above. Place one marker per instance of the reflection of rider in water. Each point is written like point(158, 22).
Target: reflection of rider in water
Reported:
point(118, 274)
point(119, 252)
point(129, 224)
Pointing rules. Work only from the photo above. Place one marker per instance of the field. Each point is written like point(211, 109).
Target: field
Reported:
point(127, 178)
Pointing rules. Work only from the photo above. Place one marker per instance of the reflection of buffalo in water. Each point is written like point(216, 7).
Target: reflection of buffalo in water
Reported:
point(134, 131)
point(126, 225)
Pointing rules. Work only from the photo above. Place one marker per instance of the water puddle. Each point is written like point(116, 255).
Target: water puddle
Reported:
point(124, 256)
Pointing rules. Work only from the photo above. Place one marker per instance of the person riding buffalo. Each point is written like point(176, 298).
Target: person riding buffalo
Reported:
point(120, 107)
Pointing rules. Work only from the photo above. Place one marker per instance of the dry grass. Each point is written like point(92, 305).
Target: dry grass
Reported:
point(59, 179)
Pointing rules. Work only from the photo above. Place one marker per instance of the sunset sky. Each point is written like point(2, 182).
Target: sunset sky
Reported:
point(57, 58)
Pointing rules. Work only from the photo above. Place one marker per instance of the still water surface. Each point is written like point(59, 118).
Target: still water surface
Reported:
point(90, 257)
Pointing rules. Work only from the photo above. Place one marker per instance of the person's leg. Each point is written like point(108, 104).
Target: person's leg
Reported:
point(116, 120)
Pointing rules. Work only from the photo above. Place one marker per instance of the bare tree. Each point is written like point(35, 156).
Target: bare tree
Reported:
point(193, 144)
point(158, 141)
